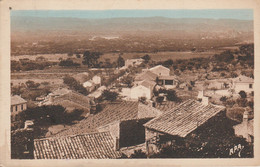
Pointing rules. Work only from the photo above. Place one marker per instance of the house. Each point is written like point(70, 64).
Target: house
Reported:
point(160, 70)
point(179, 122)
point(142, 89)
point(82, 77)
point(18, 104)
point(168, 82)
point(68, 99)
point(123, 120)
point(246, 128)
point(133, 62)
point(97, 80)
point(97, 93)
point(89, 85)
point(99, 145)
point(243, 83)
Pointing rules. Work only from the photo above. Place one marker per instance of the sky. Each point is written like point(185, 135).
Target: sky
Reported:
point(240, 14)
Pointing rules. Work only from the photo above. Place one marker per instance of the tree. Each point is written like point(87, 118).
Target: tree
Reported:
point(91, 58)
point(242, 94)
point(75, 85)
point(78, 56)
point(70, 54)
point(109, 95)
point(146, 58)
point(128, 80)
point(68, 63)
point(31, 84)
point(172, 96)
point(120, 61)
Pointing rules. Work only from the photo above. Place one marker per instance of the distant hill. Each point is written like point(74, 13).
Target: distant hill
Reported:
point(32, 24)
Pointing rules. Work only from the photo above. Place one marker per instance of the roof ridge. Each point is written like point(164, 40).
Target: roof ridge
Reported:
point(56, 137)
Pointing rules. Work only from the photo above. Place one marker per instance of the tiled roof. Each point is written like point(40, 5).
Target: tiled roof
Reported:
point(243, 79)
point(184, 118)
point(148, 84)
point(159, 67)
point(147, 75)
point(85, 146)
point(125, 110)
point(74, 98)
point(17, 100)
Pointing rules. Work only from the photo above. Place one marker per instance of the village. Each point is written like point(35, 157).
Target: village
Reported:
point(200, 107)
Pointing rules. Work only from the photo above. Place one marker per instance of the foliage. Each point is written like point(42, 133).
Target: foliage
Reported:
point(159, 99)
point(138, 154)
point(242, 94)
point(91, 58)
point(68, 63)
point(172, 96)
point(109, 95)
point(27, 65)
point(143, 100)
point(223, 99)
point(146, 58)
point(19, 140)
point(78, 56)
point(128, 80)
point(75, 85)
point(120, 61)
point(31, 84)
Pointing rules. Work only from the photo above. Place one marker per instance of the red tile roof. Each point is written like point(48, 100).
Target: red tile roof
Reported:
point(125, 110)
point(184, 118)
point(85, 146)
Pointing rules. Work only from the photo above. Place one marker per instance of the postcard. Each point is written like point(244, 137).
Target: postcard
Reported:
point(107, 83)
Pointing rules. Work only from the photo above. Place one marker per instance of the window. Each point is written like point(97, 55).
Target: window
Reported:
point(16, 108)
point(159, 82)
point(168, 82)
point(250, 85)
point(22, 107)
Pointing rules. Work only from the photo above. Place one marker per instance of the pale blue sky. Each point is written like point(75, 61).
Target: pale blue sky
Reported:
point(241, 14)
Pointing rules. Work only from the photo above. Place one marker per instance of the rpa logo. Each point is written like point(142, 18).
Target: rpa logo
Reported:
point(236, 150)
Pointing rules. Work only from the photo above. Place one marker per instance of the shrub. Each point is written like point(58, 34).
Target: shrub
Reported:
point(242, 94)
point(109, 95)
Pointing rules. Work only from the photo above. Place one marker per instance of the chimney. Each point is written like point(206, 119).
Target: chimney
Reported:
point(116, 146)
point(245, 123)
point(29, 145)
point(200, 95)
point(51, 98)
point(205, 100)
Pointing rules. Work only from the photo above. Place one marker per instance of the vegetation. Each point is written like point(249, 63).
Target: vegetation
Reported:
point(27, 65)
point(120, 61)
point(91, 58)
point(68, 63)
point(109, 95)
point(74, 85)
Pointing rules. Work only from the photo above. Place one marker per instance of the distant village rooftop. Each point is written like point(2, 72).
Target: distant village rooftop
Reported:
point(184, 118)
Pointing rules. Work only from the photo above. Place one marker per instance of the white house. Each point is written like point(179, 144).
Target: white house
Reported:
point(140, 91)
point(96, 80)
point(18, 104)
point(243, 83)
point(143, 89)
point(89, 85)
point(160, 70)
